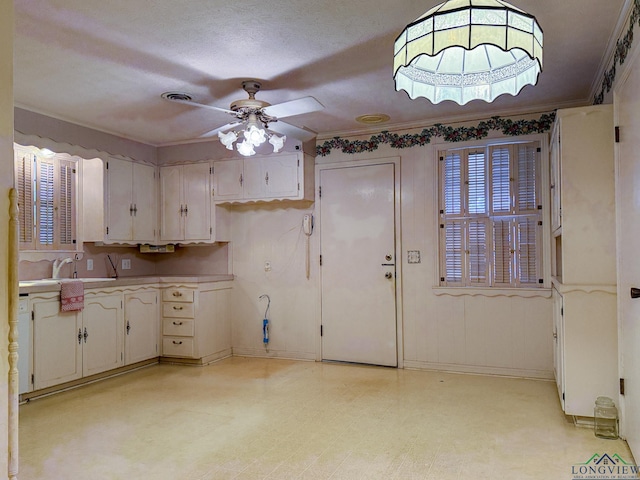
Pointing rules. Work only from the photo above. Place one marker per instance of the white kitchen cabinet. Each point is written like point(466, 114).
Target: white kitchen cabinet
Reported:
point(102, 333)
point(583, 253)
point(264, 178)
point(141, 326)
point(70, 345)
point(57, 343)
point(196, 325)
point(185, 203)
point(130, 215)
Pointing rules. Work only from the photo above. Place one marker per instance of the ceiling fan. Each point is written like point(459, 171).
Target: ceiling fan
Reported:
point(255, 117)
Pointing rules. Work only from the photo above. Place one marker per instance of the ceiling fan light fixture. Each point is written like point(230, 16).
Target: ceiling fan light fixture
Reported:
point(227, 139)
point(277, 142)
point(245, 148)
point(464, 50)
point(254, 135)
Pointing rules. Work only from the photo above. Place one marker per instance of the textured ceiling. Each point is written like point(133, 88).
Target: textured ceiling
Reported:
point(104, 64)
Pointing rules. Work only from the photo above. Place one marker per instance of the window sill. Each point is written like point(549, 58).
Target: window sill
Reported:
point(493, 292)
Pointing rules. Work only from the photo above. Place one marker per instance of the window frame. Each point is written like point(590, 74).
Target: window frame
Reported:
point(49, 184)
point(542, 244)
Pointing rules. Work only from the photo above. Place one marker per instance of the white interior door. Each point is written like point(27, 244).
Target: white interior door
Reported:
point(627, 107)
point(357, 243)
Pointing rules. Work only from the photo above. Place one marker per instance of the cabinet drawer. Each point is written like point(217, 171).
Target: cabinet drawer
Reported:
point(177, 346)
point(177, 295)
point(178, 310)
point(177, 327)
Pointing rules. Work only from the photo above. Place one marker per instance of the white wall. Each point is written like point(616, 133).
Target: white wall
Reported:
point(502, 334)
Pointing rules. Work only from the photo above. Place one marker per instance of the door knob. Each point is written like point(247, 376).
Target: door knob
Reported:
point(388, 275)
point(388, 258)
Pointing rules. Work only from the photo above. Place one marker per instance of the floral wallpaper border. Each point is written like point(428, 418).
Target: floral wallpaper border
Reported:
point(449, 134)
point(623, 46)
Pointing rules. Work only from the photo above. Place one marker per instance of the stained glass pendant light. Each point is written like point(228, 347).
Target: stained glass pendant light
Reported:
point(464, 50)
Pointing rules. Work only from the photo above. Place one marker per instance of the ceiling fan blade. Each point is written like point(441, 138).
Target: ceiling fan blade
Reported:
point(292, 131)
point(223, 128)
point(196, 104)
point(293, 107)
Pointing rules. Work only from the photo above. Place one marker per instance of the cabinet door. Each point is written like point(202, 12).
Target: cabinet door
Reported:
point(102, 334)
point(558, 347)
point(197, 201)
point(254, 180)
point(119, 200)
point(141, 326)
point(228, 180)
point(57, 351)
point(281, 176)
point(172, 207)
point(556, 208)
point(144, 201)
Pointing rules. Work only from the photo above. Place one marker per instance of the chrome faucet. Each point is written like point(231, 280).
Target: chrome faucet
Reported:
point(57, 265)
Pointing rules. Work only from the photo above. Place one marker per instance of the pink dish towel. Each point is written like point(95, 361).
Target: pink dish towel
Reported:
point(71, 296)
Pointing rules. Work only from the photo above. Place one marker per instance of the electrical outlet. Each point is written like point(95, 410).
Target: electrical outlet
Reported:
point(126, 264)
point(267, 266)
point(89, 264)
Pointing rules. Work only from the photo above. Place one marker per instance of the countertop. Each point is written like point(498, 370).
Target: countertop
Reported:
point(26, 287)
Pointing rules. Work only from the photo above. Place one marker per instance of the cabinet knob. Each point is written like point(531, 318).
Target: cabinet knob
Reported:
point(635, 292)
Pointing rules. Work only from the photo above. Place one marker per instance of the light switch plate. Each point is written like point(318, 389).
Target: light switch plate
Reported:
point(89, 264)
point(126, 264)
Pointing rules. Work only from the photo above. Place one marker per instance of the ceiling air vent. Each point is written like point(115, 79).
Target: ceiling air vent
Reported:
point(177, 96)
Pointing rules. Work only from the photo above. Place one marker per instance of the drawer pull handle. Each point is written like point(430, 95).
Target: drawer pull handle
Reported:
point(177, 308)
point(177, 343)
point(177, 323)
point(177, 294)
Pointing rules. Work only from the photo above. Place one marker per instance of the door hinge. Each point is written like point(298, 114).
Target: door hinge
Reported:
point(562, 396)
point(210, 170)
point(622, 386)
point(33, 315)
point(298, 162)
point(617, 133)
point(107, 230)
point(320, 260)
point(298, 186)
point(107, 165)
point(320, 192)
point(561, 311)
point(321, 331)
point(210, 230)
point(538, 149)
point(33, 379)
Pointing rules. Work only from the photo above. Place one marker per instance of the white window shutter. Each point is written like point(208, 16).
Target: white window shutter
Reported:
point(503, 257)
point(65, 204)
point(451, 178)
point(478, 266)
point(527, 251)
point(500, 179)
point(477, 182)
point(527, 184)
point(453, 260)
point(24, 185)
point(45, 203)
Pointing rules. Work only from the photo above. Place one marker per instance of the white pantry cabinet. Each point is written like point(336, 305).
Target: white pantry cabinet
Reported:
point(583, 253)
point(130, 203)
point(264, 178)
point(141, 325)
point(185, 214)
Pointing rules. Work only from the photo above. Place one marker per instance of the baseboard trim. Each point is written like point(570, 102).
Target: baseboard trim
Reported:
point(480, 370)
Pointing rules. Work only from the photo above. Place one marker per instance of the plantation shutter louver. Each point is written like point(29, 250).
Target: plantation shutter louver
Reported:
point(527, 251)
point(452, 173)
point(500, 180)
point(477, 182)
point(24, 185)
point(66, 213)
point(478, 274)
point(453, 252)
point(502, 252)
point(527, 175)
point(45, 199)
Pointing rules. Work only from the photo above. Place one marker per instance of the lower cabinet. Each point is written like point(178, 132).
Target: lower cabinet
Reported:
point(57, 344)
point(196, 326)
point(116, 328)
point(141, 326)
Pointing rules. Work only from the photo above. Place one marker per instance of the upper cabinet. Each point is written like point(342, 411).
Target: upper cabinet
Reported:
point(264, 178)
point(130, 202)
point(186, 203)
point(583, 196)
